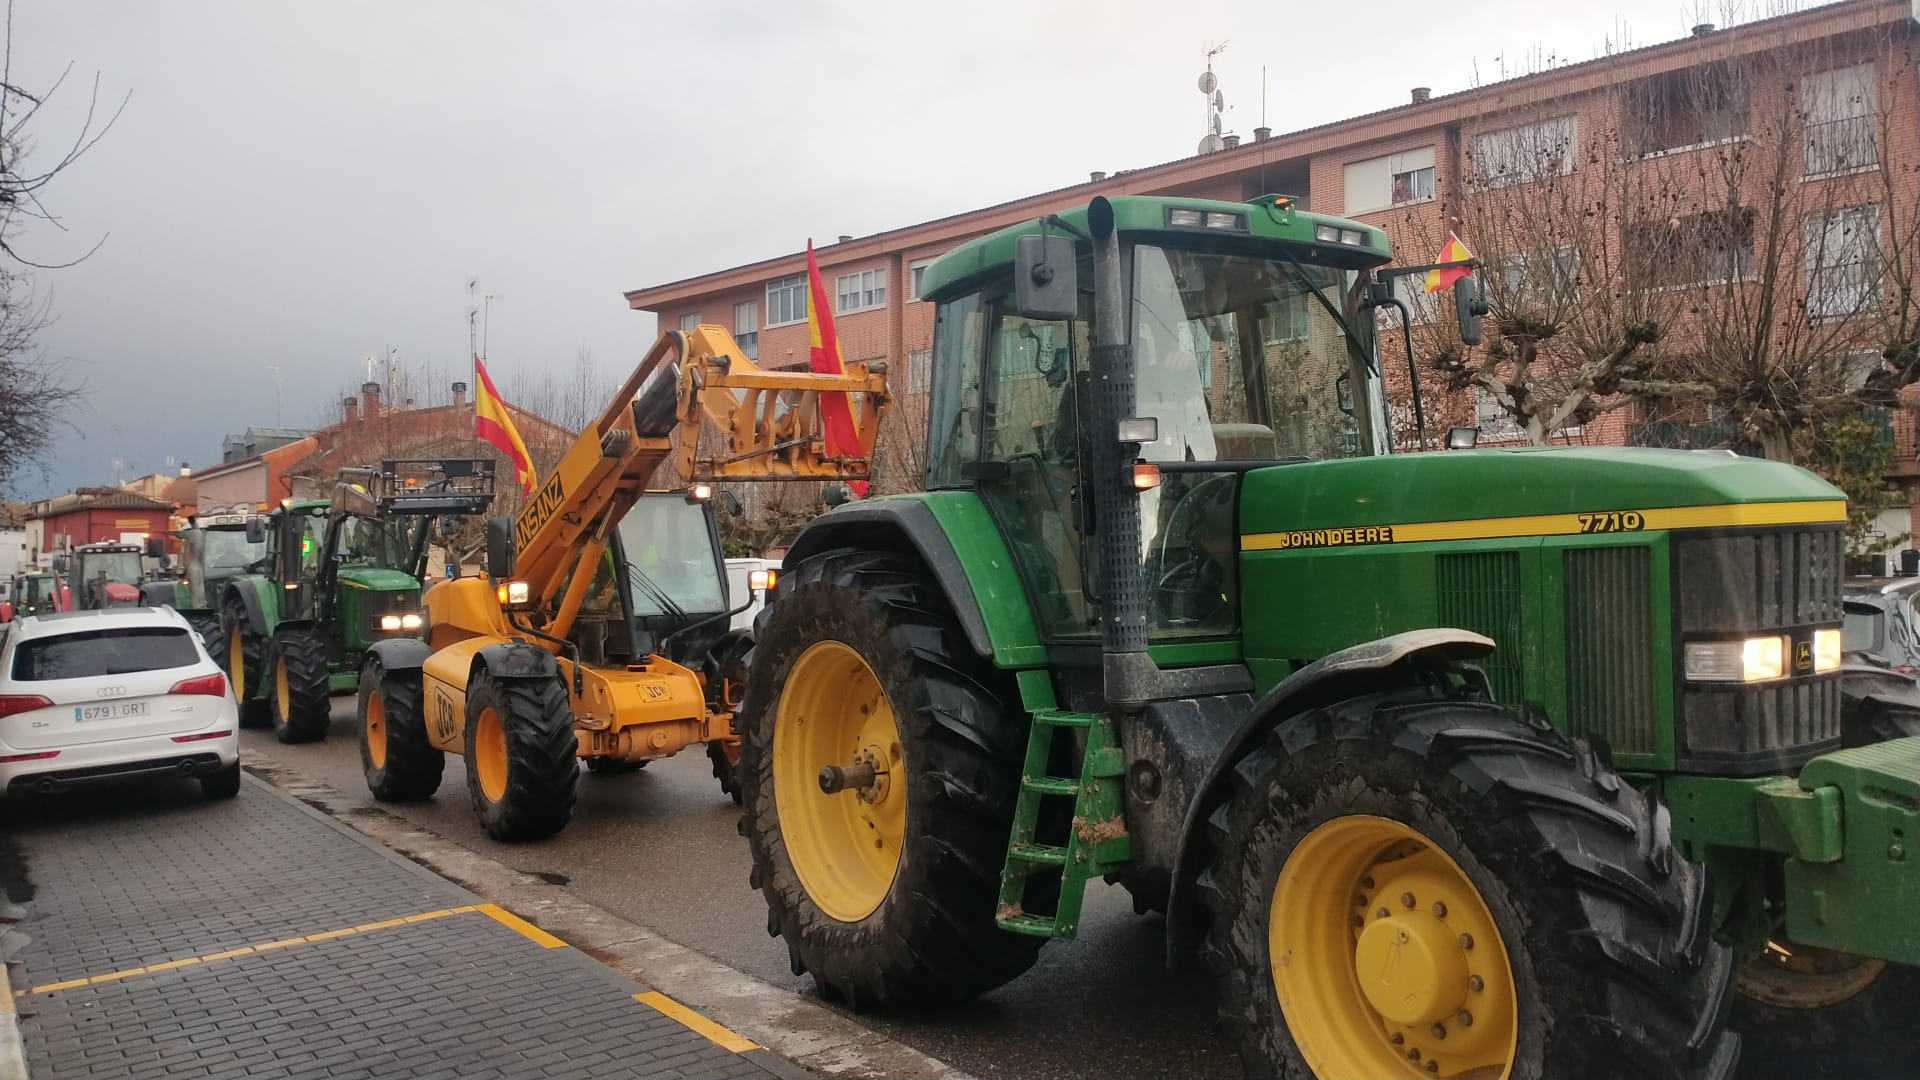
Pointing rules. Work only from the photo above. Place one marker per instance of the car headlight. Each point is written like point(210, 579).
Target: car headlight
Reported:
point(1755, 659)
point(1826, 649)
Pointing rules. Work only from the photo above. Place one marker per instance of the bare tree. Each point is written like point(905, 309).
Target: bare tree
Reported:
point(36, 391)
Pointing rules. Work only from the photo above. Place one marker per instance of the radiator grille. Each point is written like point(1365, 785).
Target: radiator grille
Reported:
point(1480, 591)
point(1609, 635)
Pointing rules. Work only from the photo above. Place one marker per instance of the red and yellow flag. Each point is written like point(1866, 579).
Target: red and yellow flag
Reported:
point(836, 412)
point(1455, 251)
point(491, 423)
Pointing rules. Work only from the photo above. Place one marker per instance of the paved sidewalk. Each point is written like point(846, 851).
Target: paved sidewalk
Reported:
point(173, 938)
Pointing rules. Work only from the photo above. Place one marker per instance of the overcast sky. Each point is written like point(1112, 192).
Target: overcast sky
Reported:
point(298, 185)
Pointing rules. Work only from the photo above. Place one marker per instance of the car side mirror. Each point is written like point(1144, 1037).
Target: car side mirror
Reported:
point(1045, 277)
point(1468, 307)
point(500, 552)
point(256, 530)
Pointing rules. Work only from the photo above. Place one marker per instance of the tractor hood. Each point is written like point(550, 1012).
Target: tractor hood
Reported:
point(1472, 485)
point(376, 579)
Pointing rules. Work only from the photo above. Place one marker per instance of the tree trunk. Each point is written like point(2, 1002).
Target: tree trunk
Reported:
point(1776, 443)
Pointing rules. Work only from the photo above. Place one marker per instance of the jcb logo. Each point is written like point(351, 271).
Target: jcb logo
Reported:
point(1803, 656)
point(443, 715)
point(656, 692)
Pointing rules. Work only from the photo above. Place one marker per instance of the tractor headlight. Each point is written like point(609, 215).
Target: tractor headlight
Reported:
point(513, 593)
point(761, 580)
point(1754, 659)
point(409, 622)
point(1826, 649)
point(389, 622)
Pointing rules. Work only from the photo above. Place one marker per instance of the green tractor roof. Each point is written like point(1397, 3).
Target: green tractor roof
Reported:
point(1270, 217)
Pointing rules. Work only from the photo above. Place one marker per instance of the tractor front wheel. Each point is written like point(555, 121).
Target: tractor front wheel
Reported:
point(399, 761)
point(1407, 886)
point(245, 650)
point(522, 768)
point(1810, 1013)
point(298, 700)
point(885, 887)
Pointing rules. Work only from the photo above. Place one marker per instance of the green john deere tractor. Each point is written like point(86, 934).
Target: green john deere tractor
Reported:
point(1494, 763)
point(215, 547)
point(337, 576)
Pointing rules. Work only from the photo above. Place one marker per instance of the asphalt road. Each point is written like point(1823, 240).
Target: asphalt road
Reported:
point(661, 848)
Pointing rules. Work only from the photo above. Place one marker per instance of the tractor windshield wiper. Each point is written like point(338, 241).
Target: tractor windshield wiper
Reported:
point(1353, 339)
point(655, 592)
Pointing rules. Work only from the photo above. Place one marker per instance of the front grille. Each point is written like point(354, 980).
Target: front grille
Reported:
point(1737, 583)
point(1609, 633)
point(1480, 591)
point(375, 604)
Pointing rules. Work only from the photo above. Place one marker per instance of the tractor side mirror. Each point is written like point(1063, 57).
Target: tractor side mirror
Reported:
point(1045, 284)
point(156, 547)
point(500, 551)
point(1468, 307)
point(256, 529)
point(731, 503)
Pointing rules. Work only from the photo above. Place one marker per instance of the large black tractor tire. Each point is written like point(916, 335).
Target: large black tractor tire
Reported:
point(930, 934)
point(299, 700)
point(1609, 968)
point(207, 624)
point(400, 764)
point(243, 655)
point(1816, 1015)
point(724, 756)
point(523, 774)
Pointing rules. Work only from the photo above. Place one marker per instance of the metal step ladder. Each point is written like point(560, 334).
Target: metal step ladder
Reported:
point(1097, 840)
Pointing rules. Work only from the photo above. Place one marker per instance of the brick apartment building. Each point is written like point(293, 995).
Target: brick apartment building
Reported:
point(1696, 112)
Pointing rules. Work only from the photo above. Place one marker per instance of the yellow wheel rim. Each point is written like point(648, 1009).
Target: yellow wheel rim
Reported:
point(845, 847)
point(490, 754)
point(1386, 960)
point(237, 664)
point(376, 730)
point(280, 693)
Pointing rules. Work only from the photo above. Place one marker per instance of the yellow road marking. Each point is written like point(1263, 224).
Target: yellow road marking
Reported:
point(246, 950)
point(523, 927)
point(1606, 522)
point(720, 1036)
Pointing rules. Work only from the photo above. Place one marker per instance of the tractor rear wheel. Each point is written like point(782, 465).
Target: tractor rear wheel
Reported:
point(522, 768)
point(207, 625)
point(298, 701)
point(886, 892)
point(399, 761)
point(1408, 886)
point(1819, 1015)
point(245, 649)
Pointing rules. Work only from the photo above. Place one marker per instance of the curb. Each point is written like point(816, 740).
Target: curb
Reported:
point(13, 1055)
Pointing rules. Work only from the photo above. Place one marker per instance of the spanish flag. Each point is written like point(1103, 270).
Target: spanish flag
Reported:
point(491, 423)
point(1455, 251)
point(836, 412)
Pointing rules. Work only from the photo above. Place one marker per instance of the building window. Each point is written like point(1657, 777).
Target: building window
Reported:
point(915, 274)
point(1494, 422)
point(1697, 249)
point(1521, 154)
point(861, 291)
point(1679, 109)
point(1839, 109)
point(787, 300)
point(1843, 261)
point(746, 328)
point(690, 321)
point(1541, 277)
point(919, 371)
point(1382, 182)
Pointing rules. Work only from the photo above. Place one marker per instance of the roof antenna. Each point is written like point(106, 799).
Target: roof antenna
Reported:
point(1216, 103)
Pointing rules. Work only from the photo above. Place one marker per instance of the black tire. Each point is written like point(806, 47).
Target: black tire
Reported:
point(543, 771)
point(253, 650)
point(207, 624)
point(725, 769)
point(302, 713)
point(413, 766)
point(224, 784)
point(932, 938)
point(1799, 1030)
point(606, 766)
point(1607, 929)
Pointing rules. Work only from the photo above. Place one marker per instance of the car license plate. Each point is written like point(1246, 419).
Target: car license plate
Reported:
point(116, 711)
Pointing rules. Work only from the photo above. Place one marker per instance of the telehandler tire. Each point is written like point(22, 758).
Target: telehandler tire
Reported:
point(885, 894)
point(399, 762)
point(1819, 1015)
point(299, 699)
point(522, 768)
point(242, 656)
point(1404, 886)
point(725, 759)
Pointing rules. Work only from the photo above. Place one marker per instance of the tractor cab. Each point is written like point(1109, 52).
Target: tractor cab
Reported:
point(108, 575)
point(216, 548)
point(37, 594)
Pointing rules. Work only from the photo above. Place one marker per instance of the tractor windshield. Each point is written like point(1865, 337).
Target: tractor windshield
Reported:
point(378, 542)
point(673, 560)
point(120, 566)
point(37, 589)
point(224, 553)
point(1241, 357)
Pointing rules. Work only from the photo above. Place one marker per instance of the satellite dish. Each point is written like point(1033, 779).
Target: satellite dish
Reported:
point(1219, 100)
point(1213, 123)
point(1208, 82)
point(1212, 143)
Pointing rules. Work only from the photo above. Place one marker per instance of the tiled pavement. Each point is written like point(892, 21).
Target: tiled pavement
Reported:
point(257, 938)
